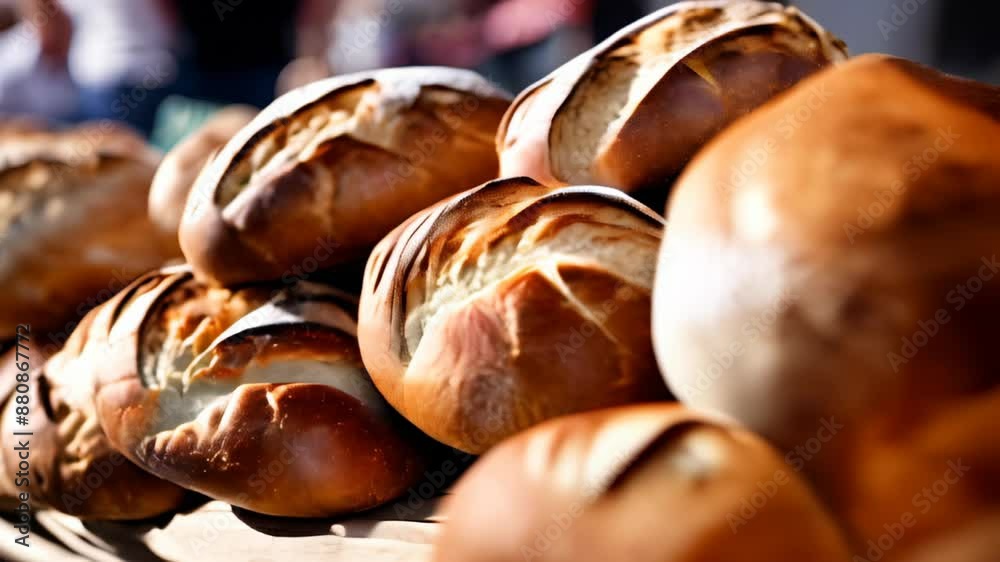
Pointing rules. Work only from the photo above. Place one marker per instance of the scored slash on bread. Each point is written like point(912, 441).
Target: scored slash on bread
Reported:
point(647, 483)
point(255, 396)
point(630, 112)
point(471, 311)
point(72, 466)
point(340, 161)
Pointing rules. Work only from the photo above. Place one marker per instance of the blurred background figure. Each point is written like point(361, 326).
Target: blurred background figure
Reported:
point(513, 42)
point(34, 44)
point(164, 66)
point(121, 57)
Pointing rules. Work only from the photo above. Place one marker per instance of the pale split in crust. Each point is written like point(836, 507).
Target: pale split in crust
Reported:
point(255, 396)
point(510, 304)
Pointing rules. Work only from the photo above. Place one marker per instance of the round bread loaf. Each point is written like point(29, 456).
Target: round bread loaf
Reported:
point(642, 483)
point(255, 396)
point(179, 168)
point(73, 222)
point(510, 304)
point(324, 172)
point(829, 279)
point(630, 112)
point(70, 464)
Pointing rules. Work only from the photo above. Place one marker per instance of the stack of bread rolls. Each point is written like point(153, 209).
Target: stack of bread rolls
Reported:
point(73, 226)
point(793, 362)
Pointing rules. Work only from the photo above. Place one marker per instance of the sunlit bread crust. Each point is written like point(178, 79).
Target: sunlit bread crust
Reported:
point(73, 222)
point(823, 284)
point(321, 174)
point(256, 396)
point(72, 466)
point(181, 165)
point(630, 112)
point(511, 304)
point(644, 484)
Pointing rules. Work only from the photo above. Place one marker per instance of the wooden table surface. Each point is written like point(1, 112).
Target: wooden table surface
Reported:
point(216, 531)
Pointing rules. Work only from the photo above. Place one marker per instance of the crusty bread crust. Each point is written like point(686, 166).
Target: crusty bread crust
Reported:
point(677, 77)
point(835, 266)
point(335, 165)
point(73, 223)
point(472, 310)
point(255, 396)
point(642, 483)
point(72, 466)
point(180, 166)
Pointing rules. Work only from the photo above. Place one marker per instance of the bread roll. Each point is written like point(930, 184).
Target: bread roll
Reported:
point(643, 483)
point(324, 172)
point(73, 222)
point(180, 167)
point(511, 304)
point(256, 396)
point(630, 112)
point(71, 465)
point(831, 261)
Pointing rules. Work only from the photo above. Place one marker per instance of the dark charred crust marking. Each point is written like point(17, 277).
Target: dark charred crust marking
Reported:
point(614, 198)
point(698, 17)
point(287, 329)
point(665, 437)
point(44, 395)
point(141, 285)
point(404, 255)
point(381, 261)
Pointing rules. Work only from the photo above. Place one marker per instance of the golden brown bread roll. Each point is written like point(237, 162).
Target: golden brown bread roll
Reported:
point(631, 112)
point(839, 267)
point(71, 466)
point(256, 396)
point(643, 483)
point(510, 304)
point(72, 221)
point(179, 168)
point(320, 175)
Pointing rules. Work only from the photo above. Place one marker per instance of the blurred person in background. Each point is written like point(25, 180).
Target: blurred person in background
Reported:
point(231, 51)
point(34, 46)
point(124, 57)
point(513, 42)
point(121, 58)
